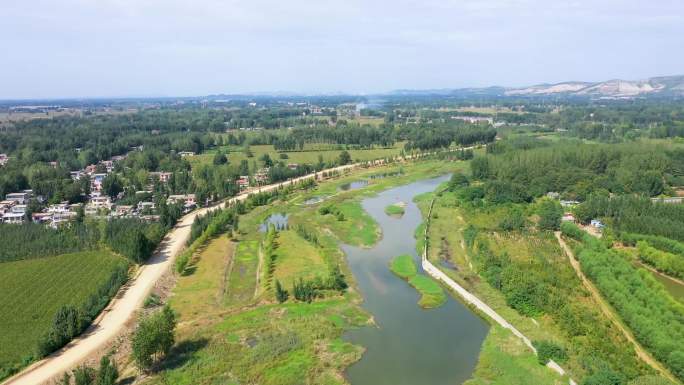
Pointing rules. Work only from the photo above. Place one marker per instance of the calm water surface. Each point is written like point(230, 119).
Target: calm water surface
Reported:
point(675, 289)
point(410, 346)
point(353, 185)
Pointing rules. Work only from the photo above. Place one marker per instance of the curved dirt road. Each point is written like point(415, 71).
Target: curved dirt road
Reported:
point(131, 297)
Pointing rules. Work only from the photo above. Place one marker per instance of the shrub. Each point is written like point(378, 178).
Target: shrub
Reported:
point(547, 350)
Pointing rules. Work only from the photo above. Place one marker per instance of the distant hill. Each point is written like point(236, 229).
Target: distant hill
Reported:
point(613, 89)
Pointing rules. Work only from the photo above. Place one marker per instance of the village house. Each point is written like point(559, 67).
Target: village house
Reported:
point(41, 218)
point(568, 217)
point(568, 203)
point(60, 218)
point(672, 200)
point(473, 119)
point(597, 224)
point(292, 166)
point(183, 154)
point(123, 210)
point(188, 200)
point(96, 181)
point(261, 176)
point(163, 177)
point(553, 195)
point(76, 175)
point(108, 164)
point(13, 218)
point(98, 202)
point(243, 182)
point(60, 208)
point(54, 164)
point(5, 206)
point(3, 159)
point(21, 198)
point(145, 207)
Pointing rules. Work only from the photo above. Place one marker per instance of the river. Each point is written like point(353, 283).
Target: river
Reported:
point(410, 345)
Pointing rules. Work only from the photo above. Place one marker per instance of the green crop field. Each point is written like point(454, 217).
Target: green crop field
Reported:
point(33, 290)
point(309, 155)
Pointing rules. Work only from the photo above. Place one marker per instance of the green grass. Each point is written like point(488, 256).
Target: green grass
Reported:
point(505, 360)
point(309, 155)
point(33, 290)
point(296, 258)
point(193, 290)
point(242, 278)
point(432, 294)
point(403, 266)
point(271, 344)
point(395, 209)
point(357, 228)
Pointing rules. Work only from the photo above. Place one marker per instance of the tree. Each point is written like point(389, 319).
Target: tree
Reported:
point(550, 213)
point(603, 377)
point(321, 164)
point(112, 185)
point(514, 219)
point(344, 158)
point(547, 350)
point(457, 181)
point(267, 160)
point(80, 213)
point(337, 280)
point(480, 167)
point(280, 293)
point(84, 375)
point(107, 373)
point(220, 158)
point(65, 380)
point(153, 338)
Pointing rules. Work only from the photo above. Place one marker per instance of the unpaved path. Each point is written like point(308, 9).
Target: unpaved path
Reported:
point(121, 310)
point(608, 311)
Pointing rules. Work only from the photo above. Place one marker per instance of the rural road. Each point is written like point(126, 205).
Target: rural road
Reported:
point(122, 309)
point(610, 313)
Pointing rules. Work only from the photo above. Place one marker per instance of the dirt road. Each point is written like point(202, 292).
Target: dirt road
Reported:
point(611, 315)
point(122, 309)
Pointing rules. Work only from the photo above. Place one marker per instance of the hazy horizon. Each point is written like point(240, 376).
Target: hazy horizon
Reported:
point(126, 48)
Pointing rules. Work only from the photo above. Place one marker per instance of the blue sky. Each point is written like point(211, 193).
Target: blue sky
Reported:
point(91, 48)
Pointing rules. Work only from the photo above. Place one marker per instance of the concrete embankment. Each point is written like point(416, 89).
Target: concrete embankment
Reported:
point(471, 299)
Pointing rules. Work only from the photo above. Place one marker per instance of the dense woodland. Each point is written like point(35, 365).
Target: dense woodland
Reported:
point(577, 170)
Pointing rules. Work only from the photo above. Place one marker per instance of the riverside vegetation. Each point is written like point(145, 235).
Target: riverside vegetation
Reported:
point(281, 323)
point(505, 252)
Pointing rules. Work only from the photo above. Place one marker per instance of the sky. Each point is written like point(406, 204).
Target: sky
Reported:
point(133, 48)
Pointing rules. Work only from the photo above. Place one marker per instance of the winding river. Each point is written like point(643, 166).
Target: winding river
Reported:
point(410, 345)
